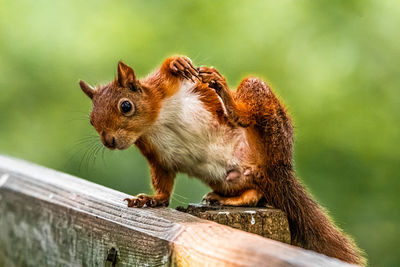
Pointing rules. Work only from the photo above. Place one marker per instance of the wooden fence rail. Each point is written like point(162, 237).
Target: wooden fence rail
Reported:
point(48, 218)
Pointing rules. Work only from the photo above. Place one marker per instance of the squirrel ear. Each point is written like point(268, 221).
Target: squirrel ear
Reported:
point(126, 75)
point(87, 89)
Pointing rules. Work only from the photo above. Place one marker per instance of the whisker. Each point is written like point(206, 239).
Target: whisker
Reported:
point(84, 158)
point(87, 155)
point(80, 147)
point(103, 149)
point(79, 116)
point(96, 151)
point(91, 155)
point(179, 201)
point(87, 141)
point(175, 194)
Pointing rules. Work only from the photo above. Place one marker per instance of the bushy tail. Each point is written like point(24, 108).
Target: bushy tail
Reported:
point(271, 137)
point(311, 228)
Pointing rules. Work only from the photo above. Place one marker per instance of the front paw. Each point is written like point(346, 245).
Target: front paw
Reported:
point(212, 199)
point(213, 78)
point(182, 66)
point(143, 201)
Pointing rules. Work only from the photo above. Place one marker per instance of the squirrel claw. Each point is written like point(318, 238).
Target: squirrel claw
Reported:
point(212, 199)
point(183, 66)
point(212, 77)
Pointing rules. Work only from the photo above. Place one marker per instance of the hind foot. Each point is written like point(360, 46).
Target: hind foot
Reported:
point(247, 198)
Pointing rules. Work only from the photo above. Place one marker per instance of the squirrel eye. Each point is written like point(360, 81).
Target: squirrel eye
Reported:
point(126, 107)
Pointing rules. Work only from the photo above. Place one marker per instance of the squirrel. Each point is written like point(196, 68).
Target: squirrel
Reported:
point(186, 119)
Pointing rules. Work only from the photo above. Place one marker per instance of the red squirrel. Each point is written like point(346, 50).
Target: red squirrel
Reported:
point(186, 119)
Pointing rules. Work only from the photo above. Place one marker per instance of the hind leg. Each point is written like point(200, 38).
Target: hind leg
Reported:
point(254, 105)
point(252, 99)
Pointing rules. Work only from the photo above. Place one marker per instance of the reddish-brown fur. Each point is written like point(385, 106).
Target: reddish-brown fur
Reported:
point(269, 134)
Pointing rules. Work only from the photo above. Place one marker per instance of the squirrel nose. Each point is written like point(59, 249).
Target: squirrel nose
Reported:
point(108, 140)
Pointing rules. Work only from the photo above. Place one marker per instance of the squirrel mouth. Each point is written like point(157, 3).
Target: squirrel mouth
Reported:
point(113, 143)
point(114, 146)
point(122, 146)
point(111, 147)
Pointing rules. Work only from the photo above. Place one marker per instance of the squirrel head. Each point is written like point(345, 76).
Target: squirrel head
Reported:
point(122, 110)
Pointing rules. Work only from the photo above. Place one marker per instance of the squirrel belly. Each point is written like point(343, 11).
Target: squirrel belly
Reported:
point(187, 137)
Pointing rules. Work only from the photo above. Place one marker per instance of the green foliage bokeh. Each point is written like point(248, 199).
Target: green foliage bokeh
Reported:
point(334, 63)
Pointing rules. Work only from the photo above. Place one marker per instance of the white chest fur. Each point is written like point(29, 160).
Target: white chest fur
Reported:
point(190, 140)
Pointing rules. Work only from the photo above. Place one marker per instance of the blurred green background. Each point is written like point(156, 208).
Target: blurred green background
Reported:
point(336, 65)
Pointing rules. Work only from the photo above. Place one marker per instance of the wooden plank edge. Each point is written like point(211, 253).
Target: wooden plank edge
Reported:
point(195, 241)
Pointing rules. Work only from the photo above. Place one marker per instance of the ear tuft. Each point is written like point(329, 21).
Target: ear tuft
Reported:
point(87, 89)
point(126, 75)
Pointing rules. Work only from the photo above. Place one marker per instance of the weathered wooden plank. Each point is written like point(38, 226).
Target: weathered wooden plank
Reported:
point(50, 218)
point(44, 234)
point(267, 222)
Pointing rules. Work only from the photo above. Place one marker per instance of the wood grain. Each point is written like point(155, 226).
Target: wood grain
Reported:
point(49, 218)
point(264, 221)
